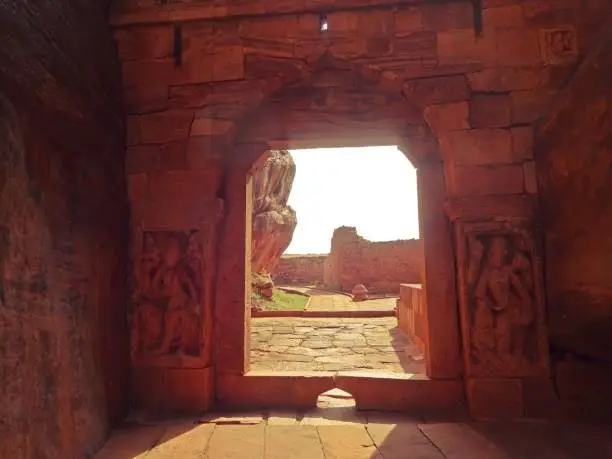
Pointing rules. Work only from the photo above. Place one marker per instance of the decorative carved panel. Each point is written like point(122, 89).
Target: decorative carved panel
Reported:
point(502, 304)
point(170, 318)
point(559, 46)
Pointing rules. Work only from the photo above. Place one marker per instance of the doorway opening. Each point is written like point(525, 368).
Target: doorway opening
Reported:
point(335, 237)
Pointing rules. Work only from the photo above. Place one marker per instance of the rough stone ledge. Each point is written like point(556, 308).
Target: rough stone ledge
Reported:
point(324, 314)
point(371, 390)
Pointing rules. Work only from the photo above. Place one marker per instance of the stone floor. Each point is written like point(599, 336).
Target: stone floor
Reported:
point(333, 344)
point(336, 431)
point(324, 300)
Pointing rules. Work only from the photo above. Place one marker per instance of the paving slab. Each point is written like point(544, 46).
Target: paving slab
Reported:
point(460, 441)
point(384, 436)
point(184, 440)
point(131, 442)
point(347, 442)
point(237, 442)
point(333, 344)
point(293, 442)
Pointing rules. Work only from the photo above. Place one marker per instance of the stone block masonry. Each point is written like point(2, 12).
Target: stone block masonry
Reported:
point(207, 97)
point(300, 269)
point(380, 266)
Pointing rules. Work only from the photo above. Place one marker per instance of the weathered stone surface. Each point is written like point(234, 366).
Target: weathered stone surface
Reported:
point(273, 220)
point(490, 111)
point(359, 292)
point(292, 269)
point(372, 344)
point(63, 239)
point(573, 161)
point(380, 266)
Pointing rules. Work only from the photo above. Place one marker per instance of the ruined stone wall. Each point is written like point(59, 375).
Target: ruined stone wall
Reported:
point(380, 266)
point(63, 246)
point(574, 158)
point(300, 269)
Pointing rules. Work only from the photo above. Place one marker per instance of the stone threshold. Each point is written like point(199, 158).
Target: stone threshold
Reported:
point(380, 391)
point(323, 314)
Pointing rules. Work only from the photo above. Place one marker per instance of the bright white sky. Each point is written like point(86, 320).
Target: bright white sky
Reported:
point(371, 188)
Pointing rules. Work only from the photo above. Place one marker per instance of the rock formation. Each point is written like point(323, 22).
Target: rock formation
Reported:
point(273, 220)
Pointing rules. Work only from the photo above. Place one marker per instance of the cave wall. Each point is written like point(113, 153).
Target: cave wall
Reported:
point(574, 161)
point(63, 219)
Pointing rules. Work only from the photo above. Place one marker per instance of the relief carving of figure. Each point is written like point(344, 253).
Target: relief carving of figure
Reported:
point(502, 286)
point(147, 318)
point(168, 295)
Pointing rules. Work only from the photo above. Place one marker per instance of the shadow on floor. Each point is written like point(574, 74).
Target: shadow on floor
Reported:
point(335, 429)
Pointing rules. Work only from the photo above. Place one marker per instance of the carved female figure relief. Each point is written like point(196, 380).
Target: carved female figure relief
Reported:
point(147, 316)
point(168, 295)
point(523, 314)
point(195, 261)
point(502, 286)
point(144, 268)
point(176, 289)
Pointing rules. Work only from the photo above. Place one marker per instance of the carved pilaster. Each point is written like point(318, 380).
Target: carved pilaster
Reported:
point(173, 275)
point(501, 299)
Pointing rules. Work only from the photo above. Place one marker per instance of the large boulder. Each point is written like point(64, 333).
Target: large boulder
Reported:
point(273, 220)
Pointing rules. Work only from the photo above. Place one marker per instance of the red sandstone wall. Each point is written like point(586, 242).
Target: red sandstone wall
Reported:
point(63, 228)
point(295, 269)
point(411, 313)
point(380, 266)
point(573, 154)
point(251, 78)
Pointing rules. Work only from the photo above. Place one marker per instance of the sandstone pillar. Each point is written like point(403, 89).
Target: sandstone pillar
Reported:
point(442, 345)
point(233, 285)
point(499, 269)
point(173, 243)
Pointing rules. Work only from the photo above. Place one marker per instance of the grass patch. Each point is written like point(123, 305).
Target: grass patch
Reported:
point(282, 301)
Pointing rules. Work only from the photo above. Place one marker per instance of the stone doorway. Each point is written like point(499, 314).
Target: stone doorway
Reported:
point(318, 111)
point(322, 202)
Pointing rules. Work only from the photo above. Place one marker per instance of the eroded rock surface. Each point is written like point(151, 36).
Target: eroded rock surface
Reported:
point(63, 231)
point(273, 220)
point(574, 158)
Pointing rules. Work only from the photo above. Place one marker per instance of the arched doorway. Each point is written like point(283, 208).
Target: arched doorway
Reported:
point(332, 105)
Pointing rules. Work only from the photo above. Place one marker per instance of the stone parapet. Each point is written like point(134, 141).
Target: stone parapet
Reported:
point(411, 311)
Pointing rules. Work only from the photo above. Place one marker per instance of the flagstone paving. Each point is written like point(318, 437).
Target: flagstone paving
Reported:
point(333, 344)
point(328, 434)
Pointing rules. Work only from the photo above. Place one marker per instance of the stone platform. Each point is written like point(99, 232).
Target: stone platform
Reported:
point(333, 344)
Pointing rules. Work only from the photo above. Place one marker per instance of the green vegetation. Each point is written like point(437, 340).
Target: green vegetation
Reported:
point(281, 301)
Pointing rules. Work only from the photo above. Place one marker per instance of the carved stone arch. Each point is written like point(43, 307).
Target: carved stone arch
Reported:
point(249, 144)
point(414, 137)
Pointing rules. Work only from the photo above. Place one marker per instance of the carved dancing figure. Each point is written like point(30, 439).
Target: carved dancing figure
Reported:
point(144, 269)
point(195, 262)
point(502, 302)
point(146, 319)
point(523, 312)
point(173, 284)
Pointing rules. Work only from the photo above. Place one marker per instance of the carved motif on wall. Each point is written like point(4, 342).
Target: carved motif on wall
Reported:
point(169, 295)
point(504, 304)
point(559, 46)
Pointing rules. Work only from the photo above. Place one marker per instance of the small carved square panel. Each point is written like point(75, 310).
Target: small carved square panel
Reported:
point(559, 46)
point(168, 294)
